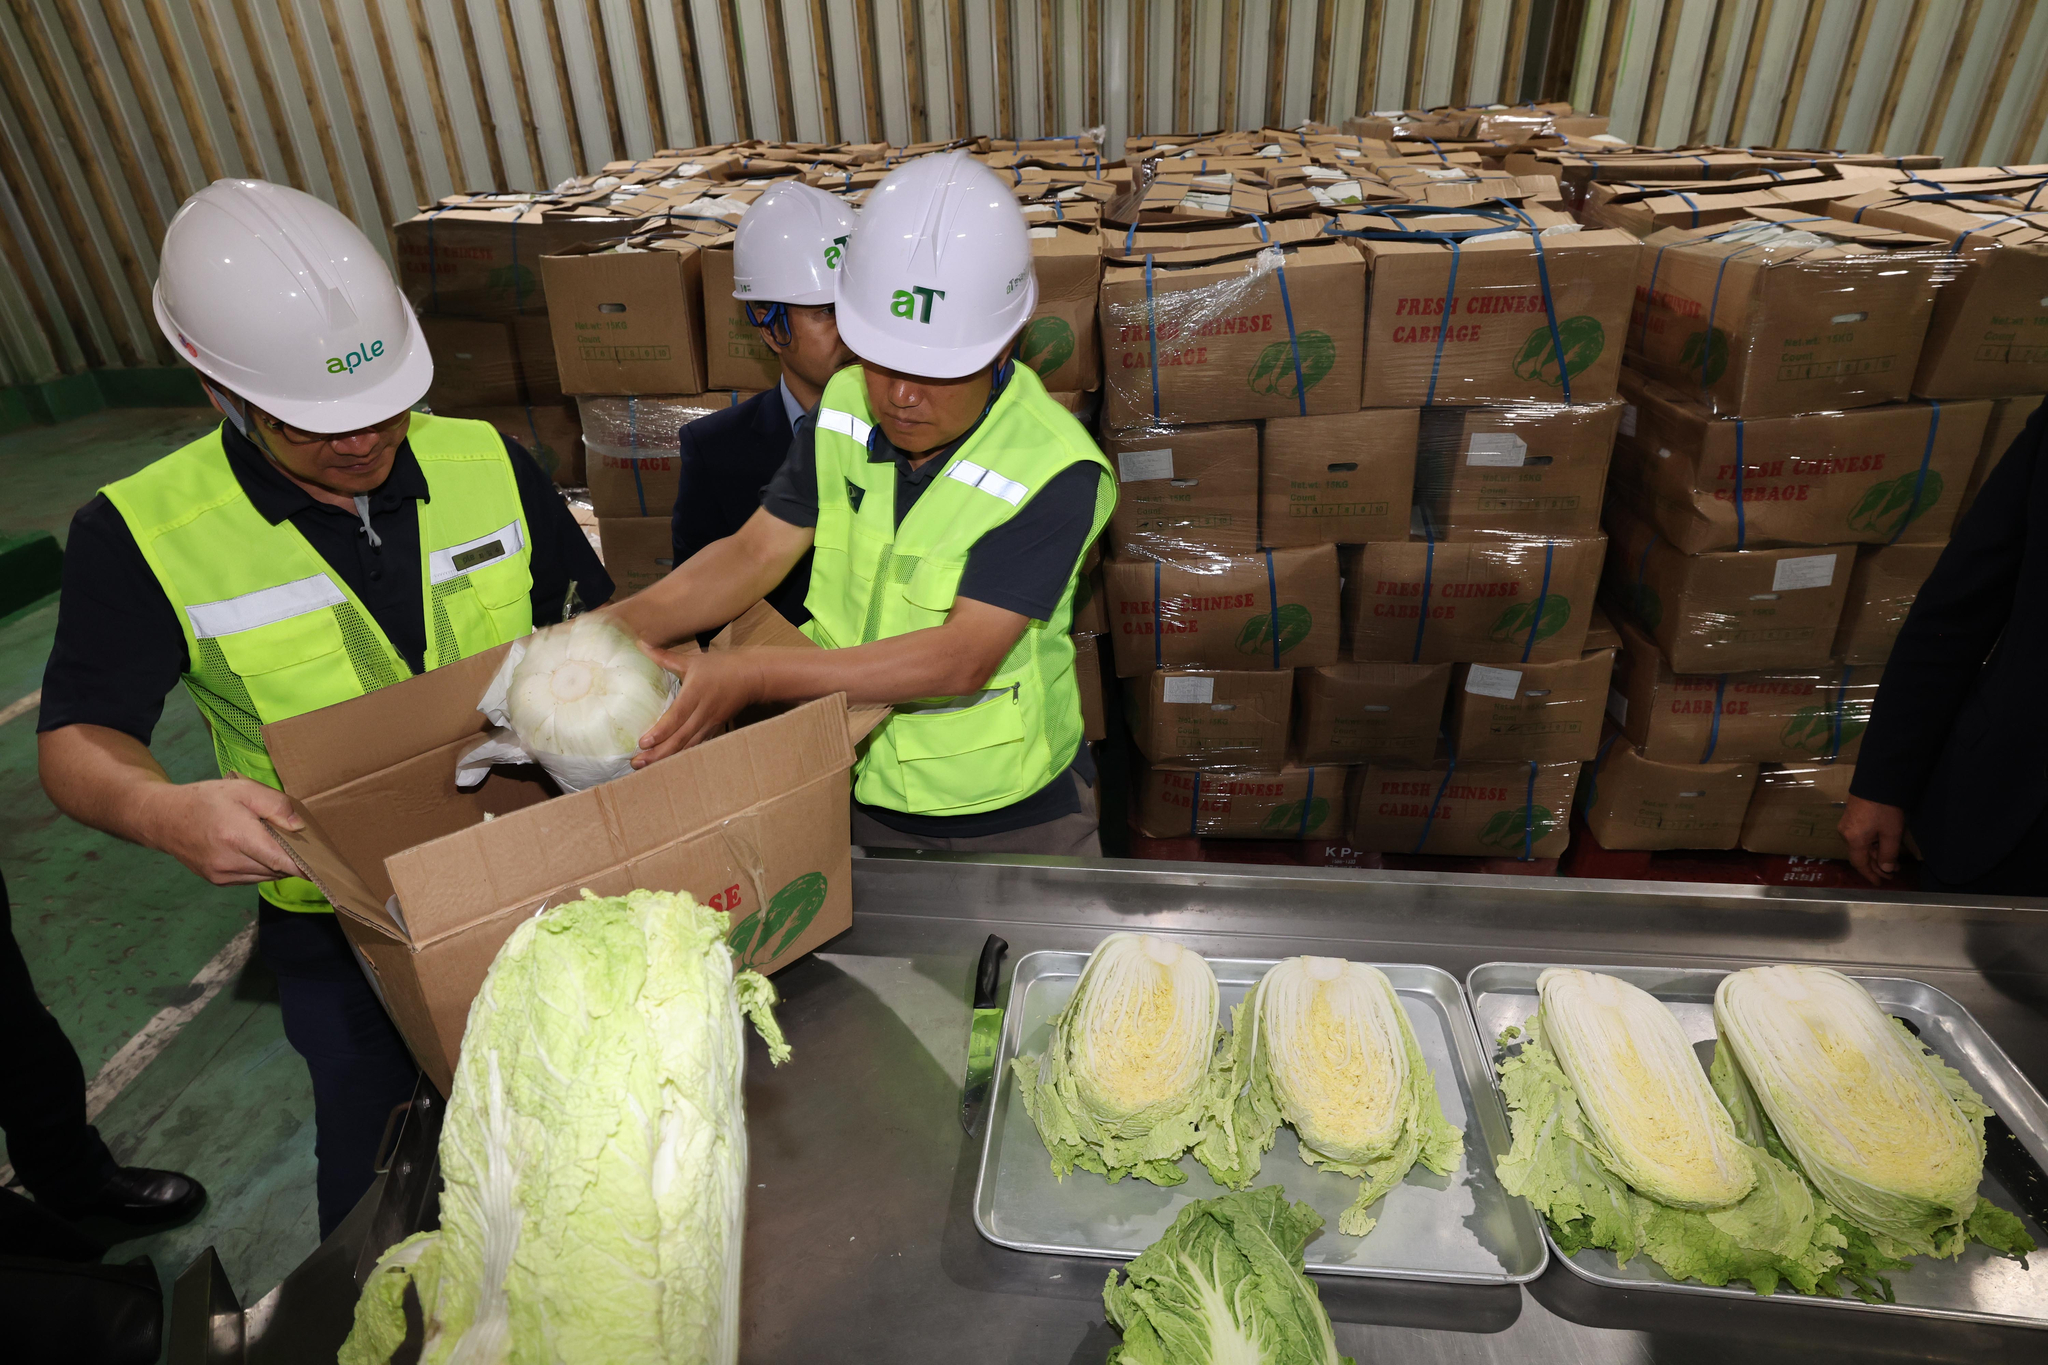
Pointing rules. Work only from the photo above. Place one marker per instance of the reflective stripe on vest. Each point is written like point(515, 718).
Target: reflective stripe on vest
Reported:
point(271, 632)
point(871, 579)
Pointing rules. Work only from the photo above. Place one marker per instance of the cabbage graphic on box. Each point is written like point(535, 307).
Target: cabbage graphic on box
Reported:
point(1706, 351)
point(1274, 372)
point(1517, 619)
point(1048, 343)
point(1582, 337)
point(1812, 728)
point(1887, 508)
point(766, 934)
point(1520, 827)
point(1286, 818)
point(1256, 637)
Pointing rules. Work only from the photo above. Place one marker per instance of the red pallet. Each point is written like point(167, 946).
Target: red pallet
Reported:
point(1586, 857)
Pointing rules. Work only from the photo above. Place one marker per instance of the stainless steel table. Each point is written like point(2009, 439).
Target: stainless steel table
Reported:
point(860, 1239)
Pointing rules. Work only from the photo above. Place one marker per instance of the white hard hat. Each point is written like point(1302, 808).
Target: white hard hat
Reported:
point(278, 298)
point(937, 279)
point(788, 246)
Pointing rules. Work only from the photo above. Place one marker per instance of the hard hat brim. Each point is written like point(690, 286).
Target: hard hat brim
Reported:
point(890, 351)
point(810, 299)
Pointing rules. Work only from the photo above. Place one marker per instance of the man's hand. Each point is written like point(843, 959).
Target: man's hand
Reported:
point(716, 687)
point(1874, 832)
point(217, 829)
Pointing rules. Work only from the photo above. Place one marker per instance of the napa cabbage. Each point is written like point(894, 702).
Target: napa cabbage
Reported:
point(594, 1150)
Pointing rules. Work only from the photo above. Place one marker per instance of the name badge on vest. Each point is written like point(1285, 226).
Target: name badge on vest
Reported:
point(457, 560)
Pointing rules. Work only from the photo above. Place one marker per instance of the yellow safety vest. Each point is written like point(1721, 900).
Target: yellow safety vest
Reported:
point(872, 579)
point(271, 632)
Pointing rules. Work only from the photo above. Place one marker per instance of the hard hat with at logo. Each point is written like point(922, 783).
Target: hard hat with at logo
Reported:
point(937, 279)
point(788, 246)
point(276, 297)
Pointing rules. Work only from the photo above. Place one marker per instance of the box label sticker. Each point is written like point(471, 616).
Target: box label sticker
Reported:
point(1807, 571)
point(1617, 706)
point(1135, 466)
point(1493, 682)
point(1200, 691)
point(1502, 449)
point(1628, 419)
point(1044, 233)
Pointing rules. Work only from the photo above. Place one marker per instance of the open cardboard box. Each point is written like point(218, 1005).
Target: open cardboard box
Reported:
point(429, 881)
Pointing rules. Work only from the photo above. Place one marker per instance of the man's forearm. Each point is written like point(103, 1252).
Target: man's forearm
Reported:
point(922, 664)
point(101, 777)
point(716, 584)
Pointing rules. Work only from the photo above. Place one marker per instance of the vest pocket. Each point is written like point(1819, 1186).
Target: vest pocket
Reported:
point(951, 760)
point(289, 667)
point(931, 591)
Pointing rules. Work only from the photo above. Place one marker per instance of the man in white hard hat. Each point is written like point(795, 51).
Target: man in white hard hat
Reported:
point(785, 268)
point(948, 502)
point(323, 541)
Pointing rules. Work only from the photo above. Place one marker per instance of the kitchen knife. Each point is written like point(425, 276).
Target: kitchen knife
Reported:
point(983, 1035)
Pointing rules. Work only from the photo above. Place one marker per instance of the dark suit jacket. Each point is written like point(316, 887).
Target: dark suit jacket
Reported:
point(1959, 736)
point(727, 458)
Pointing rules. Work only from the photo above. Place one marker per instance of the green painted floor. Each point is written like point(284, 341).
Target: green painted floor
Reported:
point(115, 933)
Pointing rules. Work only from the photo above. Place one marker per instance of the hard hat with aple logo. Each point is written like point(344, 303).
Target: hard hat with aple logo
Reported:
point(788, 246)
point(937, 279)
point(276, 297)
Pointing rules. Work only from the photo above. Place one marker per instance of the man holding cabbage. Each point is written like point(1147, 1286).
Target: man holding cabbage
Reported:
point(324, 541)
point(947, 501)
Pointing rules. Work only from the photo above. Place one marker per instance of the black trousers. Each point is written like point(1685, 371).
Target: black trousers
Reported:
point(359, 1063)
point(2022, 872)
point(42, 1087)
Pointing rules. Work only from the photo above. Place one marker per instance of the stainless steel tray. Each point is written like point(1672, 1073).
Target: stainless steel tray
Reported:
point(1460, 1227)
point(1979, 1286)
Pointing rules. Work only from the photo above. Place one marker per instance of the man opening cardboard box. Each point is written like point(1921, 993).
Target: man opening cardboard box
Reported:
point(1343, 479)
point(1549, 712)
point(1632, 802)
point(1238, 803)
point(1369, 713)
point(1483, 810)
point(1222, 614)
point(430, 880)
point(1503, 600)
point(1537, 469)
point(1211, 719)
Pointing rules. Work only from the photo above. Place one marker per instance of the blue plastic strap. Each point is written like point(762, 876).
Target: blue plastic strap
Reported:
point(1920, 479)
point(1428, 573)
point(1443, 325)
point(1692, 204)
point(633, 444)
point(1152, 334)
point(1714, 726)
point(1713, 308)
point(1835, 720)
point(1306, 802)
point(1650, 296)
point(1131, 237)
point(1273, 603)
point(1529, 816)
point(1593, 778)
point(1542, 598)
point(1741, 466)
point(1158, 650)
point(1435, 802)
point(1564, 374)
point(1293, 341)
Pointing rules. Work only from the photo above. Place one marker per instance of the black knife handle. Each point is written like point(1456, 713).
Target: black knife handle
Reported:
point(987, 971)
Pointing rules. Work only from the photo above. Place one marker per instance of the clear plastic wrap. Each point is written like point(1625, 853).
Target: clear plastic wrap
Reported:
point(1238, 803)
point(1882, 587)
point(1346, 478)
point(1188, 494)
point(1542, 711)
point(1489, 304)
point(1210, 719)
point(1532, 469)
point(1060, 341)
point(1884, 475)
point(1781, 715)
point(1796, 810)
point(1728, 610)
point(1787, 314)
point(1631, 802)
point(630, 448)
point(1506, 600)
point(1484, 810)
point(1220, 613)
point(1215, 334)
point(1369, 713)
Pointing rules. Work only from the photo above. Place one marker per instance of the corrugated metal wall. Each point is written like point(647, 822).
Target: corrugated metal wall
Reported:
point(111, 111)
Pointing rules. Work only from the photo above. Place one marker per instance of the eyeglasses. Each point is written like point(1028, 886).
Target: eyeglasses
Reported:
point(298, 437)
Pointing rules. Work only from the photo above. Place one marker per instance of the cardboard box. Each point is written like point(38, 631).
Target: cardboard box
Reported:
point(1602, 633)
point(428, 890)
point(1060, 340)
point(1640, 210)
point(1774, 716)
point(1484, 810)
point(479, 255)
point(1989, 334)
point(1219, 614)
point(638, 552)
point(475, 363)
point(1549, 712)
point(1474, 601)
point(550, 432)
point(1882, 587)
point(1537, 469)
point(1731, 610)
point(1369, 713)
point(1346, 478)
point(736, 354)
point(630, 321)
point(1091, 617)
point(1205, 334)
point(1186, 492)
point(625, 484)
point(2008, 419)
point(649, 423)
point(1210, 719)
point(1755, 330)
point(1490, 341)
point(1094, 689)
point(1285, 803)
point(1875, 475)
point(533, 340)
point(1796, 810)
point(1632, 802)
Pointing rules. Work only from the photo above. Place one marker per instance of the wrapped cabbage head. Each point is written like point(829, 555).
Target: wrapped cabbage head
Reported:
point(1124, 1079)
point(584, 690)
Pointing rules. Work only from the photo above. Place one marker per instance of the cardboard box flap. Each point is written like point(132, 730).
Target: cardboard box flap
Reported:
point(1215, 256)
point(322, 750)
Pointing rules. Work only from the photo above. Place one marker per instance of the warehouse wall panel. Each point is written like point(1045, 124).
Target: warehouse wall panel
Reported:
point(111, 111)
